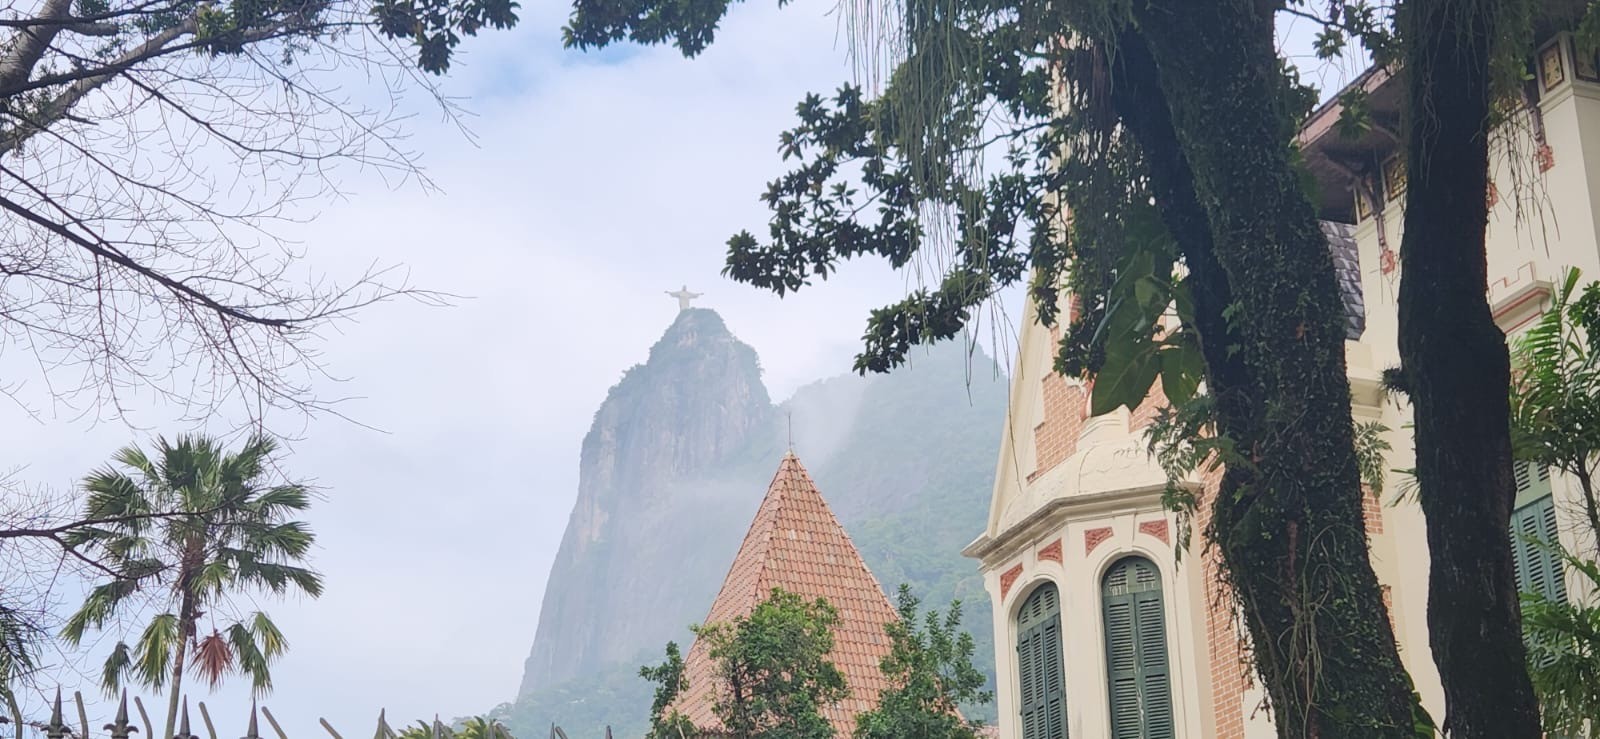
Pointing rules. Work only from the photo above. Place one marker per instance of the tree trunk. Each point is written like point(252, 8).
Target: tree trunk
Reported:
point(1457, 369)
point(188, 614)
point(178, 654)
point(1291, 534)
point(1590, 507)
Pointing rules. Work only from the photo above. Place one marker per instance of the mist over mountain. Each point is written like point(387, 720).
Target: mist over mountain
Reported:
point(672, 470)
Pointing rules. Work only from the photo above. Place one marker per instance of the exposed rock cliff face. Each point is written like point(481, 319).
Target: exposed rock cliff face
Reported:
point(695, 403)
point(674, 466)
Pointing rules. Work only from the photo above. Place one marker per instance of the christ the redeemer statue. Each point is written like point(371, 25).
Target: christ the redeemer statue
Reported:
point(684, 296)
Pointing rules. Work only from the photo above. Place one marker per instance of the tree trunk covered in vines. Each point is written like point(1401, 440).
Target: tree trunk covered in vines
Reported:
point(1456, 370)
point(1289, 527)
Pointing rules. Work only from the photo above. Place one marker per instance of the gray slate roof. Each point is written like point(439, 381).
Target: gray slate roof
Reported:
point(1347, 271)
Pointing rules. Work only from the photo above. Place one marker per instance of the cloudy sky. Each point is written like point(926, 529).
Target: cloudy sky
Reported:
point(594, 183)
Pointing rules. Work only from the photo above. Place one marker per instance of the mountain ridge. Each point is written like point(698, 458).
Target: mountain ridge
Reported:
point(663, 505)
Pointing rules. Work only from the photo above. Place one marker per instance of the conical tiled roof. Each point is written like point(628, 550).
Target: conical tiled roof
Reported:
point(795, 543)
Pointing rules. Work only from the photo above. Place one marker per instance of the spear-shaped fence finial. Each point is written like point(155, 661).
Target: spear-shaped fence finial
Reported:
point(120, 727)
point(183, 722)
point(58, 726)
point(254, 732)
point(383, 732)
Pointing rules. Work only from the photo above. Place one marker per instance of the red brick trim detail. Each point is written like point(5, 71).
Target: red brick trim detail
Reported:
point(1051, 552)
point(1386, 260)
point(1158, 529)
point(1388, 607)
point(1093, 537)
point(1009, 578)
point(1371, 511)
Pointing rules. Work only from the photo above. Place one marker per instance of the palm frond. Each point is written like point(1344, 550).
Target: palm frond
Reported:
point(291, 539)
point(249, 462)
point(153, 652)
point(213, 659)
point(278, 578)
point(268, 636)
point(1563, 640)
point(280, 500)
point(99, 605)
point(113, 494)
point(116, 665)
point(213, 577)
point(250, 660)
point(1370, 453)
point(135, 459)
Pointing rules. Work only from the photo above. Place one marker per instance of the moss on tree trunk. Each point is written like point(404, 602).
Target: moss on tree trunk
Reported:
point(1289, 523)
point(1457, 369)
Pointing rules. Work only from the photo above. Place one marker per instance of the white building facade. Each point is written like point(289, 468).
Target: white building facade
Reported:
point(1100, 629)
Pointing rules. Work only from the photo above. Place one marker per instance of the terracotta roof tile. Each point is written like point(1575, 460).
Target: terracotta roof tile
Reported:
point(797, 544)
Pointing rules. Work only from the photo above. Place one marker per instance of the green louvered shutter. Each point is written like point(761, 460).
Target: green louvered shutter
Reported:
point(1538, 570)
point(1136, 652)
point(1041, 684)
point(1054, 700)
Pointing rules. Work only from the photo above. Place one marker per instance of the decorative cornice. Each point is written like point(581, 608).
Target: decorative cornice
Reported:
point(992, 549)
point(1522, 305)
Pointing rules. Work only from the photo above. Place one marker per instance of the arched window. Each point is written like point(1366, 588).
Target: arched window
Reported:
point(1042, 684)
point(1136, 651)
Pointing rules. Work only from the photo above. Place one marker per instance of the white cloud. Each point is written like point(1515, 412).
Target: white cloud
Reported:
point(596, 182)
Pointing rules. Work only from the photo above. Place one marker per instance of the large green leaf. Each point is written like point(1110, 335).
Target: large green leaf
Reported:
point(1182, 368)
point(1130, 369)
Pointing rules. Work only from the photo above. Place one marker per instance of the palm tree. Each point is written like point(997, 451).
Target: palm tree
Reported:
point(1555, 394)
point(184, 533)
point(477, 727)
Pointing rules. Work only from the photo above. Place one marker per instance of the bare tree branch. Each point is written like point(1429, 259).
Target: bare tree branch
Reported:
point(151, 153)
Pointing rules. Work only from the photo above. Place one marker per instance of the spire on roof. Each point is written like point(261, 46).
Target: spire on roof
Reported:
point(795, 543)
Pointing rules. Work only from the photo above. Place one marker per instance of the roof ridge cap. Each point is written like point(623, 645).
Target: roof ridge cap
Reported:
point(778, 491)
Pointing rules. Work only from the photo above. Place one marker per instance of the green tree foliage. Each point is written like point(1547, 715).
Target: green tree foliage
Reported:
point(1555, 414)
point(232, 536)
point(774, 676)
point(930, 671)
point(1564, 655)
point(477, 727)
point(666, 722)
point(1555, 394)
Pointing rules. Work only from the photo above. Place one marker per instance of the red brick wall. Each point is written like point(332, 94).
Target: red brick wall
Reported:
point(1371, 511)
point(1154, 401)
point(1066, 408)
point(1056, 437)
point(1229, 673)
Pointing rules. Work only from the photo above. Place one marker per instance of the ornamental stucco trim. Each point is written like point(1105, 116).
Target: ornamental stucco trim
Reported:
point(1009, 578)
point(1095, 537)
point(1158, 529)
point(1050, 552)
